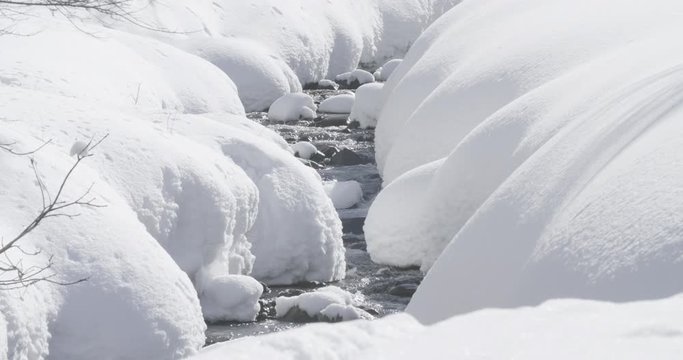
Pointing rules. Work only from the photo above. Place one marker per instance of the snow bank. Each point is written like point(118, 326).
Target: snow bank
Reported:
point(317, 341)
point(196, 196)
point(338, 104)
point(136, 302)
point(383, 73)
point(355, 78)
point(540, 152)
point(292, 107)
point(279, 46)
point(330, 304)
point(368, 104)
point(344, 194)
point(560, 329)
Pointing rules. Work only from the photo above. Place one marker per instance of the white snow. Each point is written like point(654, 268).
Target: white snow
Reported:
point(368, 104)
point(344, 194)
point(292, 107)
point(540, 151)
point(342, 341)
point(359, 76)
point(304, 149)
point(338, 104)
point(383, 73)
point(197, 195)
point(330, 303)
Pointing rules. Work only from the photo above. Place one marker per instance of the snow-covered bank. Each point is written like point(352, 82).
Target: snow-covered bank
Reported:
point(559, 329)
point(540, 151)
point(197, 196)
point(270, 48)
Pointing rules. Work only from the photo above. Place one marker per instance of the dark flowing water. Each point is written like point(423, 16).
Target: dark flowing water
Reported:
point(384, 290)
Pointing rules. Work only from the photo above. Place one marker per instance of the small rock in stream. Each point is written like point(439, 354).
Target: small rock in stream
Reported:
point(403, 290)
point(331, 120)
point(346, 157)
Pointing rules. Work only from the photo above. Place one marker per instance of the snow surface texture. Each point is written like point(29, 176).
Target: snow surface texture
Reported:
point(383, 73)
point(338, 104)
point(292, 107)
point(270, 48)
point(345, 341)
point(542, 152)
point(559, 329)
point(325, 304)
point(368, 104)
point(182, 172)
point(344, 194)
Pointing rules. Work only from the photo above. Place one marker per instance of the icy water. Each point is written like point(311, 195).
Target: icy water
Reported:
point(385, 290)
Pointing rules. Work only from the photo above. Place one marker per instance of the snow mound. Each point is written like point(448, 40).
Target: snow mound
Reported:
point(344, 194)
point(355, 78)
point(383, 73)
point(230, 298)
point(343, 341)
point(338, 104)
point(330, 304)
point(541, 176)
point(368, 104)
point(304, 149)
point(292, 107)
point(260, 76)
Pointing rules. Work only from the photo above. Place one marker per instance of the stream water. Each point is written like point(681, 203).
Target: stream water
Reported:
point(384, 290)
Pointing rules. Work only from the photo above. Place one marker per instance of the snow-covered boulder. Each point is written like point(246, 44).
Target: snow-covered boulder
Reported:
point(230, 298)
point(541, 176)
point(292, 107)
point(338, 104)
point(355, 78)
point(368, 104)
point(383, 73)
point(329, 304)
point(327, 84)
point(344, 194)
point(304, 149)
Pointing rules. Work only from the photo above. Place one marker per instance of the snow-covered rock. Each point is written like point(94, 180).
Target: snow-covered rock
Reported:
point(230, 298)
point(368, 104)
point(540, 152)
point(355, 78)
point(338, 104)
point(292, 107)
point(342, 341)
point(344, 194)
point(330, 304)
point(304, 149)
point(383, 73)
point(328, 84)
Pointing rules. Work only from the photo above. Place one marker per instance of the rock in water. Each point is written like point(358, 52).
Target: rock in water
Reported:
point(346, 157)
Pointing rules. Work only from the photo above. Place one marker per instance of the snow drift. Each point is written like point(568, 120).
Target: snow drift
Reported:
point(540, 151)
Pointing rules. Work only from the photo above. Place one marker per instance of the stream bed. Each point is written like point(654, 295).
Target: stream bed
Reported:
point(383, 290)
